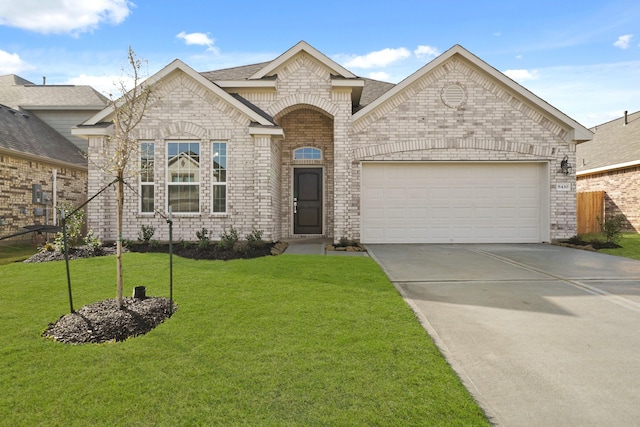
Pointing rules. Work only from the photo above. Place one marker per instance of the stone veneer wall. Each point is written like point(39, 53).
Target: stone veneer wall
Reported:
point(16, 204)
point(489, 125)
point(622, 193)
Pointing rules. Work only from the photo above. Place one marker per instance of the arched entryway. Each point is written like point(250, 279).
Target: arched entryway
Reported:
point(307, 172)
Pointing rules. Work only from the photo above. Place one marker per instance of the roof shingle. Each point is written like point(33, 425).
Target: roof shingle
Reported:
point(613, 143)
point(26, 133)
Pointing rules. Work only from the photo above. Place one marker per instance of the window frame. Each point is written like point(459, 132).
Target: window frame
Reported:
point(307, 150)
point(149, 174)
point(180, 172)
point(217, 183)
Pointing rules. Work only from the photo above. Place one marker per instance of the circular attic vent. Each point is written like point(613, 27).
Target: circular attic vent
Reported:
point(453, 96)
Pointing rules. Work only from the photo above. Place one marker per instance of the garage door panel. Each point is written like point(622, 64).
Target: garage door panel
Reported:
point(452, 202)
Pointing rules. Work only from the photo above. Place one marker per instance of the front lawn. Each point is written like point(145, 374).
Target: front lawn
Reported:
point(281, 341)
point(15, 252)
point(630, 244)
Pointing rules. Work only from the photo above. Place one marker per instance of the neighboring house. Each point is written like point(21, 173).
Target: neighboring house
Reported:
point(60, 106)
point(610, 162)
point(37, 149)
point(300, 147)
point(39, 168)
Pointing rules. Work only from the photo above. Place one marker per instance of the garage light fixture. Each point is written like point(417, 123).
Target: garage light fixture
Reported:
point(565, 166)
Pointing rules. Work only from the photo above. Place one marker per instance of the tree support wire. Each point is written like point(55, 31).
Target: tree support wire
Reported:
point(64, 238)
point(169, 220)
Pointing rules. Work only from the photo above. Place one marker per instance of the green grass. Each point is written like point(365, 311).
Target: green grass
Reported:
point(630, 247)
point(279, 341)
point(15, 252)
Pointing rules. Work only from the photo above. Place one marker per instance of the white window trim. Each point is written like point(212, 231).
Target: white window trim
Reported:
point(307, 147)
point(169, 183)
point(147, 183)
point(220, 184)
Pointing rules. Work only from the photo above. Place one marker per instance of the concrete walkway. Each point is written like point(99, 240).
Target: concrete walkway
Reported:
point(541, 335)
point(316, 247)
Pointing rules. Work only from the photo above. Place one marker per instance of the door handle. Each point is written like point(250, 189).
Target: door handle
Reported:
point(295, 205)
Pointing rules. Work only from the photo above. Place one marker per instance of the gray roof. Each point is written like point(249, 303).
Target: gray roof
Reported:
point(613, 143)
point(17, 92)
point(235, 73)
point(26, 133)
point(371, 91)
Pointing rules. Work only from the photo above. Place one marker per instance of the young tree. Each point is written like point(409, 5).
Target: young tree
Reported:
point(121, 148)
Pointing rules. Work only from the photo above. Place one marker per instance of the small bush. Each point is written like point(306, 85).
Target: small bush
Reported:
point(242, 247)
point(146, 233)
point(254, 239)
point(92, 241)
point(73, 225)
point(344, 242)
point(612, 227)
point(48, 247)
point(203, 238)
point(228, 238)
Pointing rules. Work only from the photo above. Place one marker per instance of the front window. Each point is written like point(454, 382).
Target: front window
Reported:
point(219, 177)
point(183, 166)
point(146, 177)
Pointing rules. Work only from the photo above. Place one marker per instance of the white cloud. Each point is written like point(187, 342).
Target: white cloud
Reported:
point(623, 42)
point(379, 75)
point(11, 63)
point(522, 75)
point(380, 58)
point(63, 16)
point(199, 39)
point(107, 85)
point(426, 52)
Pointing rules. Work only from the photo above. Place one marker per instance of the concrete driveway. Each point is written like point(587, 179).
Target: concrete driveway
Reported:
point(541, 335)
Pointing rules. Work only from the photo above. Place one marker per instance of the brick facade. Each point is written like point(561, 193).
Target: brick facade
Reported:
point(416, 124)
point(17, 209)
point(621, 193)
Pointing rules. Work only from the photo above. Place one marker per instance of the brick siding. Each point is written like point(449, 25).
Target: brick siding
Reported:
point(415, 125)
point(622, 193)
point(16, 203)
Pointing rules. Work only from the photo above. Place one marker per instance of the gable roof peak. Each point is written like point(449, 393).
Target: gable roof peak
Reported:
point(302, 46)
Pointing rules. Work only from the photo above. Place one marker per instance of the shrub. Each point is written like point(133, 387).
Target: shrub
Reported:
point(344, 241)
point(92, 241)
point(612, 227)
point(228, 238)
point(242, 246)
point(203, 238)
point(73, 224)
point(146, 233)
point(254, 239)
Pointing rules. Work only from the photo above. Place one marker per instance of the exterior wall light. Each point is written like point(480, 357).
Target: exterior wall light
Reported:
point(565, 166)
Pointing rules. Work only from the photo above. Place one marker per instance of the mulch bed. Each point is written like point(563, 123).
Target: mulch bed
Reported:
point(211, 252)
point(103, 321)
point(593, 245)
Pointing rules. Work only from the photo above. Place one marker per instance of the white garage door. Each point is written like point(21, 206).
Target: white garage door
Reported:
point(454, 203)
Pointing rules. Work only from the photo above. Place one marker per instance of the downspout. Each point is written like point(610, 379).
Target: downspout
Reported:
point(54, 180)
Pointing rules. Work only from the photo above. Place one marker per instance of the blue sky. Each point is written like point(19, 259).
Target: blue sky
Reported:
point(583, 57)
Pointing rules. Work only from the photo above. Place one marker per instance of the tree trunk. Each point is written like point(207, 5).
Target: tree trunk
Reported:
point(120, 209)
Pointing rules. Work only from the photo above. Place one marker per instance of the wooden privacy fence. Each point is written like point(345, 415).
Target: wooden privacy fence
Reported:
point(590, 207)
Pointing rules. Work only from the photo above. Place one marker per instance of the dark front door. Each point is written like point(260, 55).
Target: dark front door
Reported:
point(307, 201)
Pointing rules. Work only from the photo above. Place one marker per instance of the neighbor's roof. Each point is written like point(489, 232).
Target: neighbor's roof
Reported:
point(19, 93)
point(614, 146)
point(22, 133)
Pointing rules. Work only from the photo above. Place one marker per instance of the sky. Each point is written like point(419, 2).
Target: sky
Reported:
point(582, 57)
